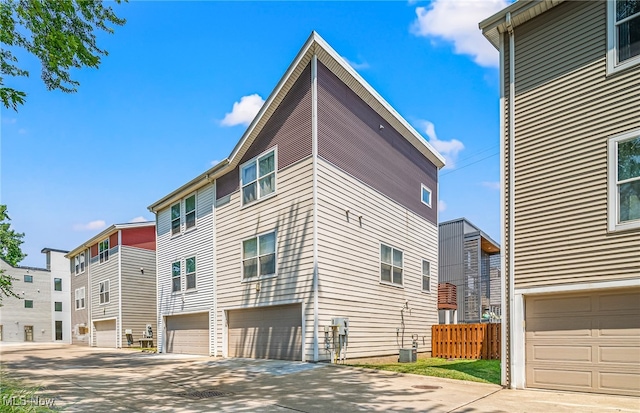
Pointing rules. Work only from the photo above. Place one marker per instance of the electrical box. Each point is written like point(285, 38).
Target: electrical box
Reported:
point(128, 331)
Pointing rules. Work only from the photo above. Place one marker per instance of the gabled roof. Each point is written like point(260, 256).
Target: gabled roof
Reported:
point(107, 232)
point(520, 12)
point(336, 64)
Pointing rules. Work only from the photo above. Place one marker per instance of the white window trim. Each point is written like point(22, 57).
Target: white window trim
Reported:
point(78, 265)
point(183, 210)
point(260, 276)
point(195, 274)
point(275, 176)
point(108, 251)
point(422, 188)
point(612, 202)
point(107, 289)
point(80, 295)
point(54, 284)
point(612, 50)
point(178, 291)
point(390, 283)
point(422, 275)
point(179, 203)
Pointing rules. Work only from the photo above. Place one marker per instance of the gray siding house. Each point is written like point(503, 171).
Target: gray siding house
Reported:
point(41, 313)
point(470, 260)
point(570, 93)
point(113, 285)
point(325, 208)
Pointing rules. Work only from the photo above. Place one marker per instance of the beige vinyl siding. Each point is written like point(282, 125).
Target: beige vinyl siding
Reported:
point(100, 272)
point(349, 265)
point(289, 213)
point(138, 291)
point(80, 318)
point(566, 109)
point(198, 242)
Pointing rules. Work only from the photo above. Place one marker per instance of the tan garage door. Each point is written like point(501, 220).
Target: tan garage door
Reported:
point(584, 342)
point(266, 332)
point(188, 334)
point(105, 332)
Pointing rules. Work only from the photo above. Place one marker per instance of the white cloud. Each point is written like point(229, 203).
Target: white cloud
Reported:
point(215, 162)
point(9, 121)
point(139, 219)
point(491, 185)
point(22, 131)
point(356, 65)
point(243, 111)
point(448, 149)
point(90, 226)
point(456, 22)
point(442, 206)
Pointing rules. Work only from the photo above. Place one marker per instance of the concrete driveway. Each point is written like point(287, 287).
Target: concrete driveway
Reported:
point(87, 379)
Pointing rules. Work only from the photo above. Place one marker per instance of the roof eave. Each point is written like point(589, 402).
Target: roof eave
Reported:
point(107, 232)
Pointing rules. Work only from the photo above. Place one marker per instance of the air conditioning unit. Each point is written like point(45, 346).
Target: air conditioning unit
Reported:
point(408, 355)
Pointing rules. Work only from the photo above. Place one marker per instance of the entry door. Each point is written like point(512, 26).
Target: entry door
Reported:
point(58, 330)
point(28, 333)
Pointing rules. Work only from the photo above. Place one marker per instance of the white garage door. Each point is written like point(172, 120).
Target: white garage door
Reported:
point(584, 342)
point(188, 334)
point(266, 332)
point(105, 333)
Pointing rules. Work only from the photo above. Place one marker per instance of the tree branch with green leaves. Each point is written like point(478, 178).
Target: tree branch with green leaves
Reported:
point(10, 252)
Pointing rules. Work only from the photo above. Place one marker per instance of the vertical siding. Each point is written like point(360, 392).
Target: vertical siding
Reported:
point(349, 265)
point(350, 137)
point(566, 109)
point(469, 288)
point(100, 272)
point(451, 252)
point(80, 317)
point(289, 213)
point(138, 291)
point(196, 241)
point(289, 127)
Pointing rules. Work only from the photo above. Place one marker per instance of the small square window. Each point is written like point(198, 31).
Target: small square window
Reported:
point(28, 303)
point(58, 306)
point(391, 265)
point(425, 195)
point(57, 284)
point(28, 278)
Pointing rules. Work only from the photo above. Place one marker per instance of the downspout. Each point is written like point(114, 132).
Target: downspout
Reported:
point(512, 116)
point(314, 151)
point(213, 325)
point(503, 272)
point(119, 322)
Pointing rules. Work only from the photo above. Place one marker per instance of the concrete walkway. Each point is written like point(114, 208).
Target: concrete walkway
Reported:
point(99, 380)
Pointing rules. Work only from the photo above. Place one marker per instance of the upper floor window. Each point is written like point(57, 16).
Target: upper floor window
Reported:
point(190, 211)
point(624, 181)
point(79, 297)
point(79, 263)
point(258, 177)
point(28, 278)
point(58, 306)
point(391, 265)
point(104, 292)
point(103, 250)
point(28, 303)
point(259, 256)
point(190, 272)
point(623, 34)
point(57, 284)
point(426, 275)
point(425, 195)
point(175, 276)
point(175, 218)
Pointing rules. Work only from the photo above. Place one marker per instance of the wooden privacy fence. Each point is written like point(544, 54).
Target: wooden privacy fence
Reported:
point(465, 341)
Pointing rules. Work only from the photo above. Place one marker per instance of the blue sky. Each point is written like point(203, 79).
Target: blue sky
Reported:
point(183, 79)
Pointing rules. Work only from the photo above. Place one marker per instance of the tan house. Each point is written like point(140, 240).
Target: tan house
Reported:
point(570, 99)
point(326, 208)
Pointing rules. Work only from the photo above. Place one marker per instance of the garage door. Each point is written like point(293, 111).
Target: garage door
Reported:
point(188, 334)
point(105, 333)
point(584, 342)
point(266, 332)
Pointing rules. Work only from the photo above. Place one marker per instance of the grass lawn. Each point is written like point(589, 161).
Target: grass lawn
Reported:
point(15, 396)
point(484, 371)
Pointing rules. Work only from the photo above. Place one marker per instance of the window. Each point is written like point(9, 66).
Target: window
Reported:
point(190, 211)
point(103, 250)
point(624, 181)
point(79, 296)
point(28, 278)
point(28, 303)
point(258, 177)
point(175, 218)
point(190, 269)
point(390, 265)
point(79, 263)
point(104, 292)
point(58, 306)
point(623, 34)
point(175, 276)
point(57, 284)
point(426, 275)
point(259, 256)
point(425, 195)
